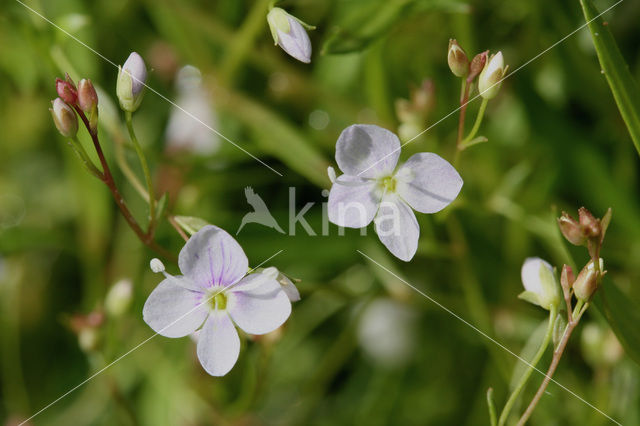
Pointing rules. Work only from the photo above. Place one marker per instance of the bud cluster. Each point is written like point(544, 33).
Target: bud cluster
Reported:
point(490, 70)
point(586, 231)
point(71, 98)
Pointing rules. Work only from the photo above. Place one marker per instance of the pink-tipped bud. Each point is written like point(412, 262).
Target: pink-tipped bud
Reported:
point(64, 118)
point(571, 229)
point(477, 65)
point(87, 96)
point(590, 225)
point(567, 278)
point(457, 59)
point(67, 90)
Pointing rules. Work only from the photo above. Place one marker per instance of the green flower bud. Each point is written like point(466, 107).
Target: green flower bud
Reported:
point(586, 283)
point(64, 118)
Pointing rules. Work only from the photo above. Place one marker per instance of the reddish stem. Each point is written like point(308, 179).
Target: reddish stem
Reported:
point(107, 178)
point(463, 112)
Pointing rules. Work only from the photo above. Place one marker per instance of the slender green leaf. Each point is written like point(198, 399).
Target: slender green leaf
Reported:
point(623, 86)
point(191, 224)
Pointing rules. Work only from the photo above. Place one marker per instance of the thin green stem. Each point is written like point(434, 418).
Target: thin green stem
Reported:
point(84, 158)
point(476, 125)
point(504, 415)
point(127, 172)
point(145, 170)
point(492, 407)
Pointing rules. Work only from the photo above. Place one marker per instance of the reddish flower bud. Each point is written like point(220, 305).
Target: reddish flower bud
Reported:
point(67, 90)
point(590, 225)
point(477, 65)
point(571, 229)
point(567, 278)
point(87, 96)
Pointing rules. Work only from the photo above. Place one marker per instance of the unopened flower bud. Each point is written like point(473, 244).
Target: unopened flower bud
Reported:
point(87, 96)
point(572, 230)
point(67, 90)
point(590, 225)
point(476, 66)
point(587, 282)
point(457, 59)
point(567, 278)
point(288, 32)
point(539, 281)
point(88, 101)
point(491, 76)
point(131, 82)
point(64, 118)
point(119, 298)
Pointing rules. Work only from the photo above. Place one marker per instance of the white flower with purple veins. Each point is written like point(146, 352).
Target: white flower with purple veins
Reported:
point(215, 293)
point(372, 188)
point(288, 32)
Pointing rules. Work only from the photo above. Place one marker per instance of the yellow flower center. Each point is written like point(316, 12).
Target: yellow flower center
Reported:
point(389, 184)
point(219, 301)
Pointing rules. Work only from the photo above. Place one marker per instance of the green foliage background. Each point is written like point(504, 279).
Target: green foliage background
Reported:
point(556, 142)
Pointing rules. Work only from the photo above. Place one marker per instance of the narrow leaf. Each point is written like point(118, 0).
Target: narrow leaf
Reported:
point(623, 86)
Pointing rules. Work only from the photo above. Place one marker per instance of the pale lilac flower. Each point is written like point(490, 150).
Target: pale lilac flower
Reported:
point(288, 32)
point(539, 281)
point(214, 293)
point(132, 77)
point(373, 189)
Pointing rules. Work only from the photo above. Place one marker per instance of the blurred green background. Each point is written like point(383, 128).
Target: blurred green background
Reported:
point(360, 347)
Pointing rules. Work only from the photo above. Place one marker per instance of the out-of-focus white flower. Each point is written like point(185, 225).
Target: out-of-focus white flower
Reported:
point(288, 32)
point(132, 77)
point(119, 297)
point(214, 293)
point(539, 281)
point(371, 187)
point(386, 332)
point(183, 132)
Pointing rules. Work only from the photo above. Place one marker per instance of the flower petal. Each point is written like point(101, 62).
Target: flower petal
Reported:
point(173, 310)
point(397, 227)
point(258, 305)
point(218, 344)
point(367, 151)
point(530, 273)
point(212, 257)
point(353, 202)
point(428, 182)
point(296, 43)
